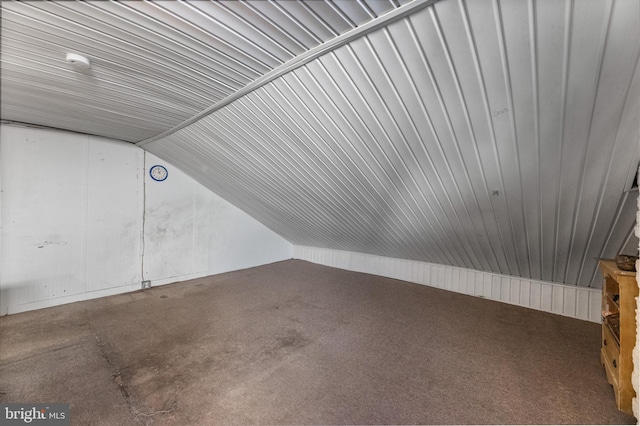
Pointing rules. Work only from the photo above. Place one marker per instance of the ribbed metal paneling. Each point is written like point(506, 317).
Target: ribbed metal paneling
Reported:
point(577, 302)
point(154, 64)
point(490, 135)
point(496, 135)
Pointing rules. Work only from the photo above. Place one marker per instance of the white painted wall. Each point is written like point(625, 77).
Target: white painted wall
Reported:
point(71, 217)
point(191, 232)
point(73, 207)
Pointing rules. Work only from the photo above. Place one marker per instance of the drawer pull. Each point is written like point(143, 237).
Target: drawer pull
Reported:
point(615, 364)
point(605, 342)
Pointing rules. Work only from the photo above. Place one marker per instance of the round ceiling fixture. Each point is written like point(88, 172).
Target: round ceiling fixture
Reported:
point(78, 61)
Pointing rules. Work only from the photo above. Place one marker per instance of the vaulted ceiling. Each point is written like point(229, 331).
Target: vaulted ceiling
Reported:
point(499, 135)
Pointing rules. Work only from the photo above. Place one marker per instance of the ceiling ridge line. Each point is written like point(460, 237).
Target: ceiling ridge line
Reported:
point(300, 60)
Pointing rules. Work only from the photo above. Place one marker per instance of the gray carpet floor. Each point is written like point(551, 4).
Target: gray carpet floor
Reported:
point(298, 343)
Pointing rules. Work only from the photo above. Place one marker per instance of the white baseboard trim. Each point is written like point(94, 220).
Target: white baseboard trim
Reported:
point(48, 303)
point(176, 279)
point(571, 301)
point(112, 291)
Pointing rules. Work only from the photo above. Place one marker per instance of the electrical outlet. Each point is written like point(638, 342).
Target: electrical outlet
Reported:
point(146, 284)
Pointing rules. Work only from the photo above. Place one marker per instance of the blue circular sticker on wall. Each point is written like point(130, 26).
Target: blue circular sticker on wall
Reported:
point(158, 173)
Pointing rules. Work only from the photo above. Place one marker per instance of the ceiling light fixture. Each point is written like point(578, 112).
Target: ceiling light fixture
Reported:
point(78, 61)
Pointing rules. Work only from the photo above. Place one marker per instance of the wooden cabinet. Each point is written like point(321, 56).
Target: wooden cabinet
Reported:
point(619, 292)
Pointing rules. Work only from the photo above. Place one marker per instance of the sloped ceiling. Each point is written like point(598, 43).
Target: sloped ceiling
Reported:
point(495, 135)
point(155, 64)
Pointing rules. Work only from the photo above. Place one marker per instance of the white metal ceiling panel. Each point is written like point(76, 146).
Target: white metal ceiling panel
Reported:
point(494, 135)
point(499, 135)
point(167, 60)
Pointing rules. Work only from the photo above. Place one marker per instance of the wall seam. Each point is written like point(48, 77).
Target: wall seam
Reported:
point(85, 215)
point(144, 213)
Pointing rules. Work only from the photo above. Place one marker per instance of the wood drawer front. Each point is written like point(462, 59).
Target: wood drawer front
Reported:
point(613, 376)
point(610, 356)
point(610, 345)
